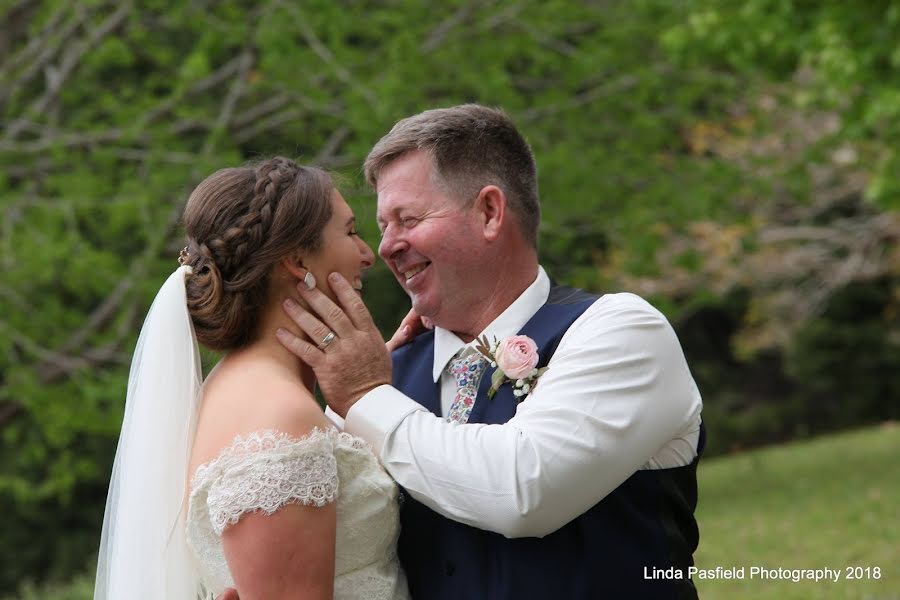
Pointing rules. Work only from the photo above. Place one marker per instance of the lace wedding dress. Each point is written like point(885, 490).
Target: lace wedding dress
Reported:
point(266, 470)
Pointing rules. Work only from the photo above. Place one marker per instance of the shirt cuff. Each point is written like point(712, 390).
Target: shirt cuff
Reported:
point(335, 418)
point(378, 413)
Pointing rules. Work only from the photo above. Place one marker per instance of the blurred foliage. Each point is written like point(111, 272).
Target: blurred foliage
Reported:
point(80, 587)
point(736, 163)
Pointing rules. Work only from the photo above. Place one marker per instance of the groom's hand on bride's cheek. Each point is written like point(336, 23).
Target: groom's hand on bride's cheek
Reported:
point(348, 364)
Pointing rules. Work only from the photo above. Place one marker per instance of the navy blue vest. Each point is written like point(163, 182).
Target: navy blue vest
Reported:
point(648, 521)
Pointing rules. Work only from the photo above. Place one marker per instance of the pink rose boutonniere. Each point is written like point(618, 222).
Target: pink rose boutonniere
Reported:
point(516, 359)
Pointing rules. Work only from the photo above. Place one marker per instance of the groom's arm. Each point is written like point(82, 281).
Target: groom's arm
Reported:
point(618, 390)
point(617, 396)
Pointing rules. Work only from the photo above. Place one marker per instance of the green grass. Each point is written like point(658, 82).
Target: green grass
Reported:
point(829, 502)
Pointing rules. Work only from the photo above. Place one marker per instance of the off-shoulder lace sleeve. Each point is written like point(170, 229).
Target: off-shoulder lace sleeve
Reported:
point(265, 471)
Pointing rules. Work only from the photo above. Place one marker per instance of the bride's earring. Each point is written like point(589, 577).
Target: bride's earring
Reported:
point(309, 280)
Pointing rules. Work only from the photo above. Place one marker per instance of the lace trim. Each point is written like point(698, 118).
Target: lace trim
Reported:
point(368, 521)
point(266, 470)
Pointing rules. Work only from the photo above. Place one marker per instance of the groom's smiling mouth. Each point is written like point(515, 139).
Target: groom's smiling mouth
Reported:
point(409, 274)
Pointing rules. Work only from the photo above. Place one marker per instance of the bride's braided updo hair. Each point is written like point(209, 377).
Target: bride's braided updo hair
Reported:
point(239, 223)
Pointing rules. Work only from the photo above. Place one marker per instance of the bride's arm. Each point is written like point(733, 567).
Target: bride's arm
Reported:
point(276, 498)
point(288, 554)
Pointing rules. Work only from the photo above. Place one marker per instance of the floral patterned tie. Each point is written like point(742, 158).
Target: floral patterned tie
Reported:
point(467, 371)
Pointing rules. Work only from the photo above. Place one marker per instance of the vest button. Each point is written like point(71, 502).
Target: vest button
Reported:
point(449, 568)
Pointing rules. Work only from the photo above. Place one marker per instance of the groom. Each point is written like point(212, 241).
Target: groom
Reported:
point(580, 485)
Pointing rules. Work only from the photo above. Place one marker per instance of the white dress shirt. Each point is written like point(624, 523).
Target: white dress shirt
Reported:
point(617, 397)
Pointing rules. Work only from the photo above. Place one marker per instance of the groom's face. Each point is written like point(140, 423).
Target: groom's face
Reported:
point(430, 243)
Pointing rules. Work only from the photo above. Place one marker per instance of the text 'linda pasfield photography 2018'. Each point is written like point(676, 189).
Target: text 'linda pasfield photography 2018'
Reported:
point(762, 573)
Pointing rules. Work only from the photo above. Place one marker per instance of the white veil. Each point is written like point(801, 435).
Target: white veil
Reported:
point(143, 548)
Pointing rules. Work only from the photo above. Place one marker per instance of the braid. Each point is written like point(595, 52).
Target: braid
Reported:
point(249, 233)
point(273, 178)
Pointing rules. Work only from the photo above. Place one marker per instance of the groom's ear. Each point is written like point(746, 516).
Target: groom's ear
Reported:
point(491, 207)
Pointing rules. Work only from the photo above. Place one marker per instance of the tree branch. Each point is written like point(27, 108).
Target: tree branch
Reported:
point(328, 58)
point(35, 42)
point(270, 122)
point(46, 355)
point(259, 110)
point(547, 41)
point(235, 91)
point(171, 157)
point(99, 317)
point(439, 33)
point(48, 42)
point(7, 412)
point(616, 86)
point(508, 12)
point(328, 152)
point(14, 297)
point(66, 140)
point(220, 75)
point(57, 77)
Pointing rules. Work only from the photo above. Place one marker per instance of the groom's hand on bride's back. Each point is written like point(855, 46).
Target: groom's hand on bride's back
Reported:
point(351, 362)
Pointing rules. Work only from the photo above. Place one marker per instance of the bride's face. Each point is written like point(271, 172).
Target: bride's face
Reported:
point(342, 251)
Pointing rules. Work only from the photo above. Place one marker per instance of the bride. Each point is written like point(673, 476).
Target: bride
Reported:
point(241, 481)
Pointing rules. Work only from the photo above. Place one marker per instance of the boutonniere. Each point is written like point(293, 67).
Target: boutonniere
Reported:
point(516, 359)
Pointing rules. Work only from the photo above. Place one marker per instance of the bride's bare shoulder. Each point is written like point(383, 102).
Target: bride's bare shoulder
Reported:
point(252, 395)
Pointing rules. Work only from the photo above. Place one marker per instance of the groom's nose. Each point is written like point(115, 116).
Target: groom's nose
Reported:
point(392, 243)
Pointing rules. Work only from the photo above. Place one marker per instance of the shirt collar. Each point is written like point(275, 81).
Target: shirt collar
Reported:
point(509, 322)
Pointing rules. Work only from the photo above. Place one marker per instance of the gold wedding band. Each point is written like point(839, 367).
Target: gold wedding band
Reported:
point(326, 340)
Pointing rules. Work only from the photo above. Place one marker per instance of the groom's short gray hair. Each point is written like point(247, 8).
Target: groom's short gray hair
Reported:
point(472, 146)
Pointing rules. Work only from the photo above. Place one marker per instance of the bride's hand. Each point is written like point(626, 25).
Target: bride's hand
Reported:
point(228, 594)
point(411, 325)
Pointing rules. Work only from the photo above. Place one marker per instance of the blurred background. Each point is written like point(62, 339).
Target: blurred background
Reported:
point(736, 163)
